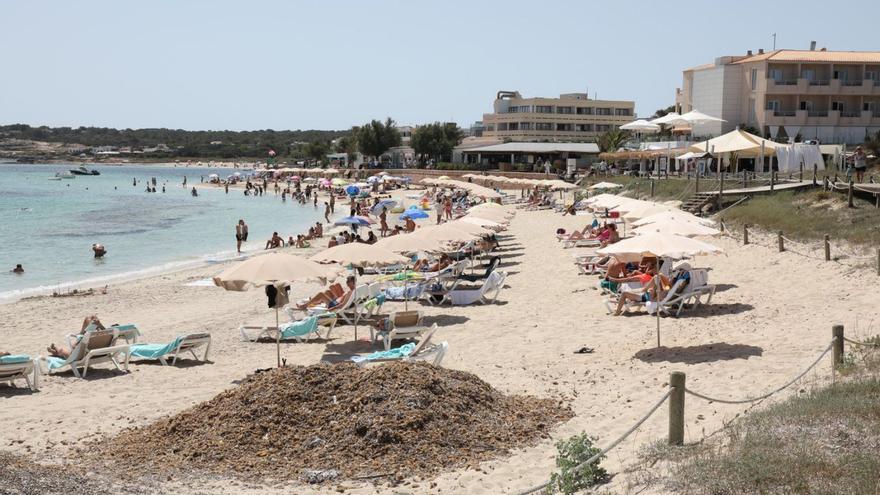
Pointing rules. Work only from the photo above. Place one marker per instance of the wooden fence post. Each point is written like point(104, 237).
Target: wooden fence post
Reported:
point(878, 261)
point(837, 334)
point(697, 183)
point(745, 234)
point(827, 248)
point(652, 188)
point(676, 408)
point(780, 241)
point(849, 194)
point(772, 180)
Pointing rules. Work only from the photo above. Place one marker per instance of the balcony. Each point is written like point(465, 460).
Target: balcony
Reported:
point(820, 82)
point(850, 113)
point(851, 83)
point(817, 113)
point(784, 113)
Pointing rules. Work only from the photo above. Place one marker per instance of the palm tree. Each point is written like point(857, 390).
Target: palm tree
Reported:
point(612, 140)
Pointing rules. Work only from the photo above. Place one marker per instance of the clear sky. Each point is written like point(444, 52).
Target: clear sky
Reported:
point(327, 64)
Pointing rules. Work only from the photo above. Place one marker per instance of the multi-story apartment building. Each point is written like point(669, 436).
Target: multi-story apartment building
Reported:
point(830, 96)
point(571, 117)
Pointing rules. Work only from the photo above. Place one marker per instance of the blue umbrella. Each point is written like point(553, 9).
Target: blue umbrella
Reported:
point(413, 212)
point(352, 190)
point(359, 221)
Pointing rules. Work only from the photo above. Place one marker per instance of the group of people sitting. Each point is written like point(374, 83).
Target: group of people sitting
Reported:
point(301, 241)
point(345, 237)
point(645, 281)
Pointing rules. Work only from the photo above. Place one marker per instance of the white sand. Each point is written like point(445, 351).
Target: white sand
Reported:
point(771, 317)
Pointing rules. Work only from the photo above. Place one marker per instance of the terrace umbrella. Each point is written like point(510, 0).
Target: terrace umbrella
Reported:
point(644, 210)
point(270, 269)
point(413, 212)
point(385, 203)
point(359, 255)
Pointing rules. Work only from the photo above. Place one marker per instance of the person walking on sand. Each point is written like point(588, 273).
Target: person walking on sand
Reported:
point(332, 202)
point(241, 232)
point(860, 162)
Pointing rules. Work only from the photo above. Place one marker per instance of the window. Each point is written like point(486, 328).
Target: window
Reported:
point(841, 74)
point(585, 110)
point(622, 111)
point(543, 126)
point(512, 109)
point(776, 75)
point(808, 74)
point(543, 109)
point(584, 127)
point(868, 106)
point(513, 126)
point(838, 105)
point(806, 105)
point(754, 78)
point(773, 105)
point(525, 126)
point(870, 75)
point(563, 127)
point(502, 126)
point(525, 109)
point(603, 127)
point(563, 110)
point(490, 127)
point(603, 111)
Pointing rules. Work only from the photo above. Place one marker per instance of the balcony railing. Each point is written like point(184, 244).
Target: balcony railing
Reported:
point(876, 82)
point(850, 113)
point(784, 82)
point(820, 82)
point(851, 83)
point(784, 113)
point(817, 113)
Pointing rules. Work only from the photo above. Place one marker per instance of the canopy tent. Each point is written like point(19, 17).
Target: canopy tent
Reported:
point(694, 117)
point(669, 118)
point(737, 141)
point(692, 155)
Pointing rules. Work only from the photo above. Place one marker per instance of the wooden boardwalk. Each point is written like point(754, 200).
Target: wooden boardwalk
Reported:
point(782, 186)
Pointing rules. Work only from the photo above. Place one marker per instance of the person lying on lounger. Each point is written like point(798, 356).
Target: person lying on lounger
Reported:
point(590, 232)
point(654, 288)
point(423, 265)
point(333, 297)
point(91, 323)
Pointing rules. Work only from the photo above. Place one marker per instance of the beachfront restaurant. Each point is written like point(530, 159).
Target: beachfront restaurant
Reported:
point(528, 156)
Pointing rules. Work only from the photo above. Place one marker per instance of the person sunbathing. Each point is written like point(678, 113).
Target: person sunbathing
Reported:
point(654, 288)
point(612, 237)
point(90, 323)
point(423, 265)
point(330, 297)
point(591, 231)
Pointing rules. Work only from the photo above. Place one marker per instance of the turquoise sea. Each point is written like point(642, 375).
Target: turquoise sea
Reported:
point(49, 226)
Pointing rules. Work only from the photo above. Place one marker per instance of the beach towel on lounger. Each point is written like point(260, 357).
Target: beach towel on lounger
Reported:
point(53, 362)
point(154, 351)
point(401, 293)
point(15, 359)
point(398, 353)
point(299, 328)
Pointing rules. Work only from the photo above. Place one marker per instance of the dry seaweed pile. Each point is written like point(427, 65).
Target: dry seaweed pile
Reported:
point(399, 419)
point(20, 476)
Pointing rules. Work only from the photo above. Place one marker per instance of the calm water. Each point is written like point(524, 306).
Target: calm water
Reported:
point(49, 226)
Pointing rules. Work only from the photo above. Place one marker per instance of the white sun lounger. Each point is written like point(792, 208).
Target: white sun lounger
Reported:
point(404, 325)
point(92, 348)
point(487, 293)
point(424, 351)
point(20, 368)
point(184, 343)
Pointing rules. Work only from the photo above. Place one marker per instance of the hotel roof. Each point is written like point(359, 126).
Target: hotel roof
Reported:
point(814, 56)
point(526, 147)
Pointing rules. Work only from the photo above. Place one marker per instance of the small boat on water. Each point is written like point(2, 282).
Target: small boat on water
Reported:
point(62, 175)
point(84, 171)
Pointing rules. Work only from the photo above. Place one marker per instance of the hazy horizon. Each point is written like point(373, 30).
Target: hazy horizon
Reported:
point(224, 65)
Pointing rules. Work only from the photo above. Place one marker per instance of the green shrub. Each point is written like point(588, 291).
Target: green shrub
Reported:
point(572, 452)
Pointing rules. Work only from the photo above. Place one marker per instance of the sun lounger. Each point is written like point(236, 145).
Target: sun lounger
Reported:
point(300, 330)
point(183, 343)
point(129, 333)
point(20, 367)
point(92, 348)
point(423, 351)
point(493, 264)
point(401, 325)
point(697, 287)
point(487, 293)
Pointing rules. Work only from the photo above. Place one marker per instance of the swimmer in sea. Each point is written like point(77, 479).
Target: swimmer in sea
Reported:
point(99, 250)
point(18, 269)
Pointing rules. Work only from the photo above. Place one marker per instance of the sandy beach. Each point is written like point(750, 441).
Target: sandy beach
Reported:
point(771, 316)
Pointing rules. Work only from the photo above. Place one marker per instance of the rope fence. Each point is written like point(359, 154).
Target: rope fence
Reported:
point(676, 394)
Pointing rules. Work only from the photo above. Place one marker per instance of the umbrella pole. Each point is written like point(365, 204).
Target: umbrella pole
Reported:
point(277, 338)
point(357, 313)
point(657, 286)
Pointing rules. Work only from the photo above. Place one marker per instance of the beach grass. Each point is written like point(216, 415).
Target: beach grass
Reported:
point(824, 441)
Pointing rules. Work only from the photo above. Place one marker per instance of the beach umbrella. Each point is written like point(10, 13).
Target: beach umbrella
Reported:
point(443, 177)
point(495, 216)
point(640, 125)
point(385, 203)
point(352, 190)
point(637, 212)
point(659, 245)
point(336, 182)
point(357, 221)
point(675, 215)
point(482, 222)
point(359, 255)
point(669, 118)
point(605, 185)
point(272, 269)
point(409, 243)
point(683, 228)
point(413, 212)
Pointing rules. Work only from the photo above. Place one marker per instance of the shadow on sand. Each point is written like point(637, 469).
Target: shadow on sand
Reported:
point(719, 351)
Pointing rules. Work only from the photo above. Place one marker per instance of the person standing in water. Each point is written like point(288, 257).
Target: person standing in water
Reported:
point(99, 250)
point(241, 233)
